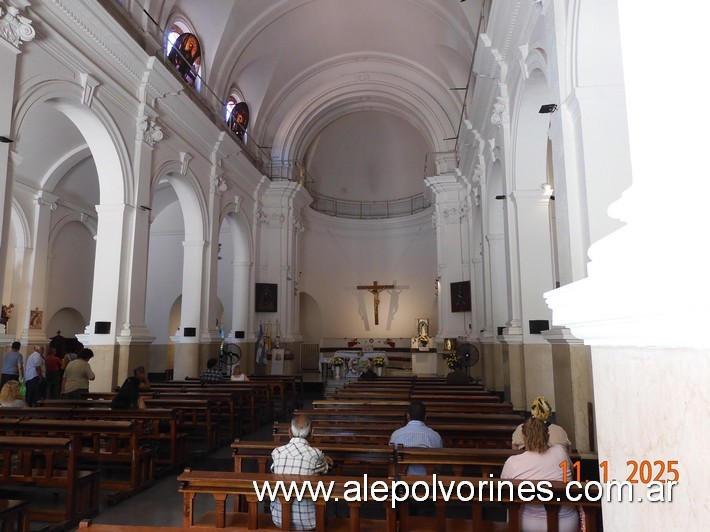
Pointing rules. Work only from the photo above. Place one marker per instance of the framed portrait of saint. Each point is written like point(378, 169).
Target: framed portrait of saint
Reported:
point(265, 297)
point(461, 296)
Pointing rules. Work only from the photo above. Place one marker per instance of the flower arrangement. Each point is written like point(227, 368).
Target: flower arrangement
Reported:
point(452, 359)
point(338, 361)
point(378, 362)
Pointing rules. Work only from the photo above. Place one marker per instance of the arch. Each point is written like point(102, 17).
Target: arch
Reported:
point(325, 92)
point(96, 125)
point(190, 196)
point(530, 134)
point(86, 221)
point(20, 225)
point(60, 168)
point(69, 320)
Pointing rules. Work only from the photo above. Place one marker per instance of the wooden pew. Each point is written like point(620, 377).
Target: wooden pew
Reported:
point(196, 418)
point(157, 426)
point(87, 523)
point(407, 522)
point(488, 436)
point(57, 460)
point(397, 416)
point(101, 444)
point(14, 515)
point(220, 485)
point(439, 406)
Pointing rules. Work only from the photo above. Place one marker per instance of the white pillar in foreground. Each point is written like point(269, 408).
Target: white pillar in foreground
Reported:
point(645, 306)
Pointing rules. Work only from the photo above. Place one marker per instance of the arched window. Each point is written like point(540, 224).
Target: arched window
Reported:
point(185, 53)
point(236, 115)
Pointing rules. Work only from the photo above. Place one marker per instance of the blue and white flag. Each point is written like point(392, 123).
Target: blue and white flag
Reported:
point(260, 347)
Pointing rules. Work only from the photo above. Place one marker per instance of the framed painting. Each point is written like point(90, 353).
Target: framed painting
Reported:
point(265, 297)
point(461, 296)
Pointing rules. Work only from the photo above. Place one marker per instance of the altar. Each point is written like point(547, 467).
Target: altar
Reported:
point(354, 361)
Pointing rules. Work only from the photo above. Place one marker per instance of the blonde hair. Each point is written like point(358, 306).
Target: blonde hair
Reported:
point(541, 408)
point(536, 435)
point(10, 392)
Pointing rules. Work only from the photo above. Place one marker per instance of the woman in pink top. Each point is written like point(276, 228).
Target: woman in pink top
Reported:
point(540, 462)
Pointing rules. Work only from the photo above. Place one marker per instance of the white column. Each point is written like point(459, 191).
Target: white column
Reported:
point(645, 305)
point(240, 305)
point(453, 240)
point(14, 30)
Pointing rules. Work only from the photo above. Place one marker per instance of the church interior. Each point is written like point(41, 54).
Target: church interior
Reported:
point(284, 183)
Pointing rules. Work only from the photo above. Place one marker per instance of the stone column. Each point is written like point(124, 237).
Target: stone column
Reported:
point(645, 305)
point(452, 209)
point(531, 209)
point(15, 29)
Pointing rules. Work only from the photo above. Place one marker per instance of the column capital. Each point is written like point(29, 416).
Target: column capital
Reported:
point(14, 28)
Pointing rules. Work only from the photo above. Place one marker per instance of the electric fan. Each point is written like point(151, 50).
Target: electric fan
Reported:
point(229, 357)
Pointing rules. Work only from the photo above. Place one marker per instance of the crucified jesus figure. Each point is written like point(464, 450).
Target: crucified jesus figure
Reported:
point(375, 290)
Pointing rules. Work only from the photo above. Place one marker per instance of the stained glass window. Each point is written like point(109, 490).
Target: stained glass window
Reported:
point(185, 54)
point(236, 115)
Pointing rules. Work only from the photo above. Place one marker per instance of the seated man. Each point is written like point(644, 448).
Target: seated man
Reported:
point(297, 457)
point(369, 373)
point(458, 376)
point(212, 373)
point(416, 434)
point(129, 394)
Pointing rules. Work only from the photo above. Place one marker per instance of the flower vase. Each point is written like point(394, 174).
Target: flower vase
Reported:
point(336, 372)
point(378, 370)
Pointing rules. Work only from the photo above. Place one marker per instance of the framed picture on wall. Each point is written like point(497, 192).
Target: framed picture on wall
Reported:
point(265, 297)
point(461, 296)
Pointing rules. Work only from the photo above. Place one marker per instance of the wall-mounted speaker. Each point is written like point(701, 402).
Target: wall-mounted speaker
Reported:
point(102, 327)
point(239, 334)
point(500, 330)
point(190, 331)
point(537, 326)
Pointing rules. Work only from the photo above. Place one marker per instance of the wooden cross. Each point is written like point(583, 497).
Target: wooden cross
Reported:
point(375, 290)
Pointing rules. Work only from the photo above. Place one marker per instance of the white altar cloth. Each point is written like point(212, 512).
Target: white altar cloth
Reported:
point(354, 360)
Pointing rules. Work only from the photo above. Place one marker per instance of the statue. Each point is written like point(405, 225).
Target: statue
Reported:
point(6, 313)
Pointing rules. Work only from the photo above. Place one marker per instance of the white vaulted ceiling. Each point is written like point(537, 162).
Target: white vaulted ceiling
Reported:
point(370, 80)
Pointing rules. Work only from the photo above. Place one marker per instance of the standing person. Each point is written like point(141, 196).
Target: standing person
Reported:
point(75, 383)
point(12, 368)
point(128, 395)
point(54, 374)
point(540, 461)
point(34, 376)
point(297, 457)
point(416, 434)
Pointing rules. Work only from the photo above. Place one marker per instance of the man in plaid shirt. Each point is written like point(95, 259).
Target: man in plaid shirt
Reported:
point(297, 457)
point(212, 373)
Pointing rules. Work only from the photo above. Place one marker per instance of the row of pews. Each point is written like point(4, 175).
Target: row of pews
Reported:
point(352, 426)
point(74, 450)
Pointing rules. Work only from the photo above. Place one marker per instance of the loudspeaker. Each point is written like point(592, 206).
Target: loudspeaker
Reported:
point(500, 330)
point(537, 326)
point(239, 334)
point(102, 327)
point(190, 331)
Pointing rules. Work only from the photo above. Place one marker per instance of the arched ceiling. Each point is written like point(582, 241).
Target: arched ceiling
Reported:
point(303, 65)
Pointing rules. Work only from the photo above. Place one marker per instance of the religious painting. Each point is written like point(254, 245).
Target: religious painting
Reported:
point(185, 56)
point(239, 119)
point(36, 319)
point(265, 297)
point(461, 296)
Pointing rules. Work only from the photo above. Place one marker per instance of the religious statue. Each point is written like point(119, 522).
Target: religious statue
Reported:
point(6, 313)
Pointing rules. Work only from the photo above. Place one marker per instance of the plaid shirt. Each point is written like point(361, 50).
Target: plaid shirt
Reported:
point(297, 457)
point(211, 375)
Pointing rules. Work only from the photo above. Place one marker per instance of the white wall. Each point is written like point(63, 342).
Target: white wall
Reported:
point(337, 255)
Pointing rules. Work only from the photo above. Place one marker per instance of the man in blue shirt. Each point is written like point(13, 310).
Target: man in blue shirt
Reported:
point(12, 368)
point(416, 434)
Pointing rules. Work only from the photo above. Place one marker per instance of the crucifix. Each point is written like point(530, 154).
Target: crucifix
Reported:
point(375, 290)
